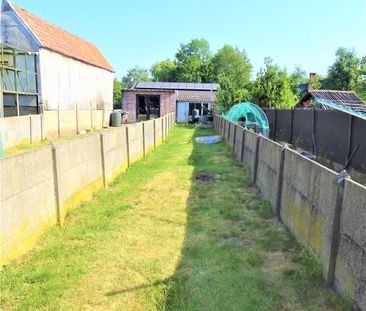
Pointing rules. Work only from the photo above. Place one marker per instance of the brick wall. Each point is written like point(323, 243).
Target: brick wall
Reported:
point(167, 102)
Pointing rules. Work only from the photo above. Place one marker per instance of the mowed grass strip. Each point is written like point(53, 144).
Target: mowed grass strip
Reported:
point(183, 229)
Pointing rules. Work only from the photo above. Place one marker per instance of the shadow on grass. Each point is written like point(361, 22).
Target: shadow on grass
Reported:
point(235, 255)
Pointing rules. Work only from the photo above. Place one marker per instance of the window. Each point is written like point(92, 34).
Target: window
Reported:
point(18, 81)
point(10, 107)
point(148, 107)
point(28, 105)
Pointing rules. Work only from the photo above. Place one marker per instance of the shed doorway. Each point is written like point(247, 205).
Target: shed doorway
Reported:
point(148, 107)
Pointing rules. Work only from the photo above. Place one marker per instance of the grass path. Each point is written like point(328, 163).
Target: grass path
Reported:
point(159, 239)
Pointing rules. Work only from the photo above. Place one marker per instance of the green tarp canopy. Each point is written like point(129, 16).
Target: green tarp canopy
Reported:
point(250, 116)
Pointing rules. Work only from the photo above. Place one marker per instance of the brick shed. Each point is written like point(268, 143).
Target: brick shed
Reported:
point(148, 100)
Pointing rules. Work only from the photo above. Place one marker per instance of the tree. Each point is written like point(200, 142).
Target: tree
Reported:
point(164, 71)
point(315, 83)
point(343, 74)
point(193, 62)
point(272, 87)
point(117, 93)
point(298, 77)
point(135, 74)
point(232, 70)
point(229, 94)
point(361, 79)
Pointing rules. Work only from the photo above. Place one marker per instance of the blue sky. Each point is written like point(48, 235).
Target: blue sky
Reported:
point(305, 33)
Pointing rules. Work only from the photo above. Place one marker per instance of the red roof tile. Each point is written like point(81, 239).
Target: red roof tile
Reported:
point(63, 42)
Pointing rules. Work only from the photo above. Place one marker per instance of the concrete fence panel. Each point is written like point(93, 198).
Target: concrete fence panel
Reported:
point(68, 123)
point(27, 201)
point(269, 160)
point(232, 133)
point(84, 120)
point(149, 135)
point(308, 204)
point(227, 130)
point(115, 152)
point(79, 170)
point(239, 142)
point(51, 124)
point(350, 272)
point(135, 142)
point(158, 132)
point(97, 119)
point(39, 187)
point(249, 153)
point(16, 130)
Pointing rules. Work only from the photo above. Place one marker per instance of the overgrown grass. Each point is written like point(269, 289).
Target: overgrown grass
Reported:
point(158, 239)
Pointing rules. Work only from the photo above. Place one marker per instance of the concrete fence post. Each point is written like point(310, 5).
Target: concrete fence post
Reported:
point(102, 156)
point(279, 184)
point(77, 120)
point(234, 138)
point(228, 131)
point(42, 127)
point(335, 238)
point(58, 121)
point(256, 157)
point(91, 116)
point(128, 148)
point(243, 147)
point(143, 139)
point(154, 126)
point(30, 130)
point(57, 183)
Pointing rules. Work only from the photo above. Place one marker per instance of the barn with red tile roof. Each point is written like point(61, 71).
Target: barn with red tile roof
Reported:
point(44, 67)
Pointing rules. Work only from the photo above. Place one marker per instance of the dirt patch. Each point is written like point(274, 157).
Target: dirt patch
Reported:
point(276, 262)
point(207, 177)
point(238, 242)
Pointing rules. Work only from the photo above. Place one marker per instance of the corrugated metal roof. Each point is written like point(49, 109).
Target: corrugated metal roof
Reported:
point(347, 99)
point(177, 86)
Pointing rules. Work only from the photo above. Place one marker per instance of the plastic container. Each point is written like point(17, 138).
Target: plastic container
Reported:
point(116, 119)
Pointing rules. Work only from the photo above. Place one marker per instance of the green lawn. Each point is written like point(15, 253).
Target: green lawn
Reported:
point(160, 239)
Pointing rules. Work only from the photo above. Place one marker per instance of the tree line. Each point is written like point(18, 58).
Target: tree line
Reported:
point(273, 86)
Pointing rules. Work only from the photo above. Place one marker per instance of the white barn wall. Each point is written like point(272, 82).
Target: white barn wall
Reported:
point(70, 83)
